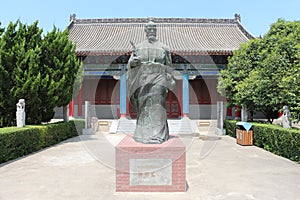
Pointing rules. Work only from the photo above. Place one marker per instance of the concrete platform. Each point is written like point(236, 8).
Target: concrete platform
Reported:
point(83, 168)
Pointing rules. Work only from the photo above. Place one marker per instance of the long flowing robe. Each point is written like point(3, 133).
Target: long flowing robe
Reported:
point(148, 85)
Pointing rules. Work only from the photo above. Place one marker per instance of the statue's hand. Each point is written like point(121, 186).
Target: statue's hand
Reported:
point(136, 61)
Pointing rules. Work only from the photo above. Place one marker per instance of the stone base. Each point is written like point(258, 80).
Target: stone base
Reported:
point(87, 131)
point(150, 167)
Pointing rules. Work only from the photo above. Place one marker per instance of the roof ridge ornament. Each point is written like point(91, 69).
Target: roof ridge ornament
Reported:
point(150, 18)
point(150, 23)
point(237, 17)
point(72, 17)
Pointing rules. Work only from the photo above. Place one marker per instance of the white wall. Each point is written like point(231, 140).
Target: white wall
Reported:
point(204, 111)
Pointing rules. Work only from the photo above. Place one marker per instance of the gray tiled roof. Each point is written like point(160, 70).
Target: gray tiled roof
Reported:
point(182, 35)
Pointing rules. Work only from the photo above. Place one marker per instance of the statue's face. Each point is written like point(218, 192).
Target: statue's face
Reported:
point(22, 102)
point(151, 33)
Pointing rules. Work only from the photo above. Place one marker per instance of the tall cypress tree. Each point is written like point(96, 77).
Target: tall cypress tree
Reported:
point(1, 29)
point(20, 60)
point(42, 70)
point(8, 44)
point(27, 72)
point(61, 66)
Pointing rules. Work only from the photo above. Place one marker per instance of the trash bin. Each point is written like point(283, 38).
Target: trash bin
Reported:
point(244, 133)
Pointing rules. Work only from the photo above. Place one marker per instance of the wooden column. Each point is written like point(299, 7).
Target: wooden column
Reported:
point(71, 108)
point(123, 97)
point(185, 94)
point(79, 107)
point(179, 88)
point(228, 112)
point(237, 112)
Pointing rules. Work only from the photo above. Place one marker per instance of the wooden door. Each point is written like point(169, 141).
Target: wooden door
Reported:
point(172, 107)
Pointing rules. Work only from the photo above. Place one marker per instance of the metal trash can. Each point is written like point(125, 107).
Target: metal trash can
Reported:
point(244, 133)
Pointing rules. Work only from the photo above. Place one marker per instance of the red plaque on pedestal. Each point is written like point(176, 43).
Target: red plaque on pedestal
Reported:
point(150, 167)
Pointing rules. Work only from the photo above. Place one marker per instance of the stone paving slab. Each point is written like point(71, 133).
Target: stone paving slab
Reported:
point(83, 168)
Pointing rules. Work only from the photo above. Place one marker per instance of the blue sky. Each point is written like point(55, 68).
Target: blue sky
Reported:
point(257, 15)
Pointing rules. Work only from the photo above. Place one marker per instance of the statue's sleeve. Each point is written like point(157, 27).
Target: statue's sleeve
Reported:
point(129, 61)
point(168, 58)
point(170, 78)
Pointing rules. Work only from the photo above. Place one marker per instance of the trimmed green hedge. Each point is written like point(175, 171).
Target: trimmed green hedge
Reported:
point(273, 138)
point(17, 142)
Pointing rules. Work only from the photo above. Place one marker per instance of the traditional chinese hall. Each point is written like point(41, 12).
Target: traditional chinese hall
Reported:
point(199, 47)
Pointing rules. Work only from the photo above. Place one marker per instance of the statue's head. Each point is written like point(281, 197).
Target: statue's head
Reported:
point(150, 29)
point(22, 102)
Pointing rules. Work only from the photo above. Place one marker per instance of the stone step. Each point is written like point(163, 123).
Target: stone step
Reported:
point(126, 126)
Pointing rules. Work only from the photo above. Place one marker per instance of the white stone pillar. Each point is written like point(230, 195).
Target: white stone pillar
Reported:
point(20, 114)
point(87, 116)
point(220, 117)
point(244, 114)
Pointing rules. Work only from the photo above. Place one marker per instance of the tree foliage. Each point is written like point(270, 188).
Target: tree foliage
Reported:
point(60, 66)
point(40, 69)
point(1, 29)
point(264, 73)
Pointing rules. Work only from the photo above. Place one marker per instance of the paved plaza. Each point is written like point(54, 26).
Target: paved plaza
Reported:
point(83, 168)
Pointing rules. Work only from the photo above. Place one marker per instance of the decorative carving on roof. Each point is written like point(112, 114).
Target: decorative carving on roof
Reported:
point(72, 17)
point(155, 20)
point(237, 17)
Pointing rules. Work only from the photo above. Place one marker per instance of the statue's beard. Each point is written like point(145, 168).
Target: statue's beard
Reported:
point(151, 38)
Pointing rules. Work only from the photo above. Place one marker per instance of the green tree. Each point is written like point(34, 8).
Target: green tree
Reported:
point(26, 75)
point(60, 66)
point(244, 61)
point(42, 70)
point(10, 46)
point(288, 34)
point(263, 73)
point(1, 29)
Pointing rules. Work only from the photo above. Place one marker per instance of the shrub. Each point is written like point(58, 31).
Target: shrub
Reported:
point(273, 138)
point(17, 142)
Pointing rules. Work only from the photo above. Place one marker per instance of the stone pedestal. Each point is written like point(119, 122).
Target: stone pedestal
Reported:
point(150, 167)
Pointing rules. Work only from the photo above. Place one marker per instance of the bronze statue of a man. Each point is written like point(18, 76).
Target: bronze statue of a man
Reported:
point(149, 79)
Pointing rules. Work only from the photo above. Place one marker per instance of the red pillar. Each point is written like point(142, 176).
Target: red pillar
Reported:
point(79, 108)
point(280, 113)
point(71, 108)
point(237, 112)
point(229, 112)
point(179, 88)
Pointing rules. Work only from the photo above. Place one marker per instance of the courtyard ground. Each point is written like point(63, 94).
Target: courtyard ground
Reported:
point(83, 168)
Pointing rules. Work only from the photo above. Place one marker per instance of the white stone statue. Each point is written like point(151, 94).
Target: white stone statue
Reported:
point(244, 114)
point(20, 113)
point(286, 122)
